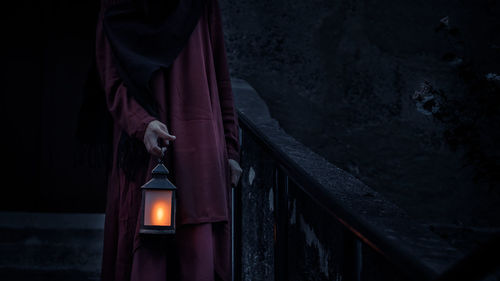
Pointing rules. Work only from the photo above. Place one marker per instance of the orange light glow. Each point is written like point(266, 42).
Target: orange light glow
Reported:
point(158, 208)
point(160, 213)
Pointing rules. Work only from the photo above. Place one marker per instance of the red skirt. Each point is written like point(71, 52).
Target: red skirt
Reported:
point(195, 253)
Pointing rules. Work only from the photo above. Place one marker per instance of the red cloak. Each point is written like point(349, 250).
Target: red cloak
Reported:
point(196, 103)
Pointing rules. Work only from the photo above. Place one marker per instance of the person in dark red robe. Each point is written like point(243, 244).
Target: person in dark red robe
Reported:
point(195, 119)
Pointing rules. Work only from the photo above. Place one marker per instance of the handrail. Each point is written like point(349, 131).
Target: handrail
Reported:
point(418, 252)
point(364, 231)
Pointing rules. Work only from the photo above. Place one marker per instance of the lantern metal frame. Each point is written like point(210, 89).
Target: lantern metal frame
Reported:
point(159, 181)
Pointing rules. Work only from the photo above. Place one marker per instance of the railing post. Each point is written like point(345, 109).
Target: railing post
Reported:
point(280, 190)
point(236, 230)
point(353, 257)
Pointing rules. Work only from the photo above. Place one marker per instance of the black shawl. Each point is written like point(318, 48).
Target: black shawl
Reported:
point(146, 35)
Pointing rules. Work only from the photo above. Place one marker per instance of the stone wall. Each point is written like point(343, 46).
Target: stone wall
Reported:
point(402, 94)
point(301, 218)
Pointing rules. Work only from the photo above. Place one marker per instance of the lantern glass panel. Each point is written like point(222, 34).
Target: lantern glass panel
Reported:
point(158, 207)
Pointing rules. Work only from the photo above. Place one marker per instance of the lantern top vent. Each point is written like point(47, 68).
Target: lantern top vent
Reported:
point(159, 179)
point(160, 170)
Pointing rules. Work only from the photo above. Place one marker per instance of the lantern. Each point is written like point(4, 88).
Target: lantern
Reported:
point(158, 203)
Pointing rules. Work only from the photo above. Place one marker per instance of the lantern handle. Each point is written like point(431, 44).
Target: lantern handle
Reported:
point(161, 160)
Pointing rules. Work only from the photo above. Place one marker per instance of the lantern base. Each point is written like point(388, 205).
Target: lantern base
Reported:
point(157, 231)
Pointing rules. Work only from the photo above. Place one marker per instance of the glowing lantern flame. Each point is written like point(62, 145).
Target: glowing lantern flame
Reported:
point(159, 214)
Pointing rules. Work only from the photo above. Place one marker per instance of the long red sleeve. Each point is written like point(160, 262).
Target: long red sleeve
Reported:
point(229, 117)
point(130, 116)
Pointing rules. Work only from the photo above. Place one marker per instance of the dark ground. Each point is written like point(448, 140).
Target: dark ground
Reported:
point(402, 94)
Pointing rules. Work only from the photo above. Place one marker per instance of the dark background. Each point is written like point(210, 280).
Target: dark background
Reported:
point(402, 94)
point(47, 52)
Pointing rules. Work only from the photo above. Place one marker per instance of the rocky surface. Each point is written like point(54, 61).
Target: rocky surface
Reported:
point(402, 94)
point(326, 208)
